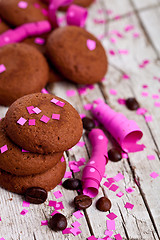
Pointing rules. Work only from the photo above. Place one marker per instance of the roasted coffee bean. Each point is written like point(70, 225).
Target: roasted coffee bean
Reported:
point(114, 155)
point(103, 204)
point(132, 104)
point(82, 202)
point(72, 184)
point(88, 123)
point(36, 195)
point(58, 222)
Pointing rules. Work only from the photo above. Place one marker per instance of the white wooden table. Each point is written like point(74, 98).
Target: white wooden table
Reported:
point(130, 34)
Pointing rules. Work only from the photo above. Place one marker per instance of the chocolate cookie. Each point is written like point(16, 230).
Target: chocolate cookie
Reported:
point(56, 125)
point(23, 163)
point(3, 26)
point(77, 54)
point(26, 72)
point(47, 180)
point(16, 12)
point(82, 3)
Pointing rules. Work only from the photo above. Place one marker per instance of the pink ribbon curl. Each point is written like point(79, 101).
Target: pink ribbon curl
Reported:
point(24, 31)
point(95, 168)
point(126, 132)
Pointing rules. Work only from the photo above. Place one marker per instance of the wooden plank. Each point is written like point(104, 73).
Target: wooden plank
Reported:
point(144, 3)
point(151, 18)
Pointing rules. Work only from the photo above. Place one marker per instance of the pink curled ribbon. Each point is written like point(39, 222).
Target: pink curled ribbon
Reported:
point(95, 168)
point(24, 31)
point(76, 15)
point(126, 132)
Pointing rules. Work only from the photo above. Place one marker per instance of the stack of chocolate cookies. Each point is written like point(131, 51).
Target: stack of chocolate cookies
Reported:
point(35, 132)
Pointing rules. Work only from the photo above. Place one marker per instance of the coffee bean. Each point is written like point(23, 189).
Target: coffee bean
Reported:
point(82, 202)
point(58, 222)
point(114, 155)
point(103, 204)
point(72, 184)
point(36, 195)
point(132, 104)
point(88, 123)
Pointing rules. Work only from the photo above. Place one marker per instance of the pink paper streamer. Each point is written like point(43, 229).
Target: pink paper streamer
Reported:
point(26, 30)
point(126, 132)
point(95, 168)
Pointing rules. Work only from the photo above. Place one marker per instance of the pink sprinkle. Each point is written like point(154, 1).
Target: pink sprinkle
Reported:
point(112, 216)
point(68, 175)
point(2, 68)
point(30, 109)
point(141, 111)
point(117, 17)
point(58, 194)
point(24, 151)
point(80, 144)
point(52, 203)
point(109, 183)
point(124, 155)
point(21, 121)
point(108, 233)
point(0, 219)
point(78, 214)
point(151, 157)
point(36, 5)
point(44, 12)
point(66, 231)
point(56, 116)
point(110, 224)
point(118, 237)
point(124, 52)
point(58, 206)
point(111, 52)
point(55, 212)
point(76, 224)
point(57, 102)
point(22, 4)
point(36, 110)
point(113, 92)
point(43, 223)
point(39, 41)
point(82, 91)
point(24, 212)
point(70, 93)
point(129, 206)
point(113, 40)
point(25, 204)
point(2, 238)
point(62, 159)
point(91, 44)
point(145, 94)
point(92, 238)
point(125, 76)
point(44, 91)
point(148, 118)
point(118, 177)
point(32, 122)
point(145, 86)
point(113, 188)
point(129, 190)
point(136, 35)
point(54, 100)
point(75, 231)
point(121, 101)
point(120, 194)
point(82, 115)
point(87, 106)
point(4, 148)
point(157, 104)
point(128, 28)
point(44, 119)
point(155, 96)
point(154, 175)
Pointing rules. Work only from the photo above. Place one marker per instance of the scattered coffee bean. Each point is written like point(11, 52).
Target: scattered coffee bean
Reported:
point(82, 202)
point(35, 195)
point(58, 222)
point(72, 184)
point(132, 104)
point(114, 155)
point(103, 204)
point(88, 123)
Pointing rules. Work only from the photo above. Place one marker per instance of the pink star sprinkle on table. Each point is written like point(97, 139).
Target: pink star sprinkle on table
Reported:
point(154, 175)
point(78, 214)
point(129, 206)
